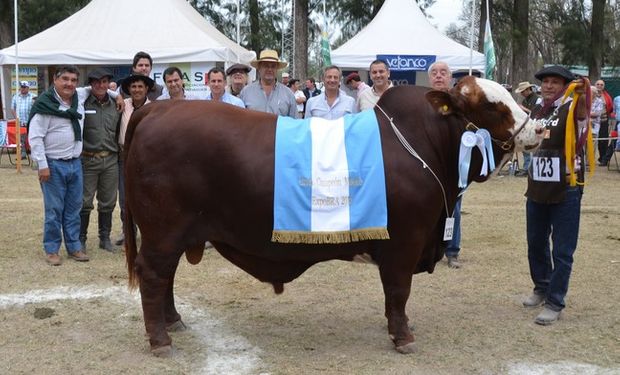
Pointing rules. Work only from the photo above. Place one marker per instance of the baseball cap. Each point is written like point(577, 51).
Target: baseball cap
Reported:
point(24, 84)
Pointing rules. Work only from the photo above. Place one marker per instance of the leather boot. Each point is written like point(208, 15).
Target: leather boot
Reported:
point(84, 219)
point(105, 227)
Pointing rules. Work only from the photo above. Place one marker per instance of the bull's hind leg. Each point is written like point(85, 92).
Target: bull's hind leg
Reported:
point(173, 318)
point(156, 278)
point(397, 286)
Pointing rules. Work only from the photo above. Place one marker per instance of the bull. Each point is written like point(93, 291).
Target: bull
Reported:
point(216, 182)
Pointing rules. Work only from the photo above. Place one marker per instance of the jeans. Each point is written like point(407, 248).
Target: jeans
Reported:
point(454, 245)
point(62, 199)
point(121, 188)
point(527, 158)
point(550, 268)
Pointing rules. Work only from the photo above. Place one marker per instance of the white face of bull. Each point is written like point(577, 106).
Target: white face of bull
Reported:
point(528, 138)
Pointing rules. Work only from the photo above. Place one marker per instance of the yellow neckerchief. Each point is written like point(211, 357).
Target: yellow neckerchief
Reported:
point(570, 141)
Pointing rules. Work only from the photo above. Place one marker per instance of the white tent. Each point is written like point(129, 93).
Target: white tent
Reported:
point(110, 32)
point(401, 29)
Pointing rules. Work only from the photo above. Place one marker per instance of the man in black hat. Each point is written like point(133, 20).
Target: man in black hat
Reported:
point(138, 86)
point(238, 76)
point(99, 157)
point(554, 190)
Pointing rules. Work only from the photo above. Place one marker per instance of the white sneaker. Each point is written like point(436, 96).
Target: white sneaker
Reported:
point(534, 300)
point(547, 317)
point(453, 261)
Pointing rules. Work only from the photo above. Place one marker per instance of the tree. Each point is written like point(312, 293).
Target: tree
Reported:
point(520, 33)
point(300, 54)
point(34, 17)
point(596, 38)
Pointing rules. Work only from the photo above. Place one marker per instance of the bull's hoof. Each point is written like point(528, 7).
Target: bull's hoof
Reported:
point(177, 326)
point(407, 348)
point(163, 351)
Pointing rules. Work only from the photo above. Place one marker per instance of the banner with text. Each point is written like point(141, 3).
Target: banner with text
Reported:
point(407, 62)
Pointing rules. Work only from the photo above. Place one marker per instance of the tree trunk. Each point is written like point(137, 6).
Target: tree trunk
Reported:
point(300, 54)
point(596, 39)
point(520, 31)
point(254, 27)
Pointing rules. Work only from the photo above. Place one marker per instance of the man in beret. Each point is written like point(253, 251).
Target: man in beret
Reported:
point(355, 83)
point(554, 193)
point(238, 77)
point(99, 157)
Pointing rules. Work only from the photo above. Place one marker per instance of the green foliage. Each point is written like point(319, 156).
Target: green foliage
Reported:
point(38, 15)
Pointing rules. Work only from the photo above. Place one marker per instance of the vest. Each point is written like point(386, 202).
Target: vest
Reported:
point(100, 125)
point(547, 177)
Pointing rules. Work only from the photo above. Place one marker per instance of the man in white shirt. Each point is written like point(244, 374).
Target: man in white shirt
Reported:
point(56, 140)
point(216, 79)
point(380, 76)
point(332, 103)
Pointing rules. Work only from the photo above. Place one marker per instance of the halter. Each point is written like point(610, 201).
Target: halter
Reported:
point(507, 145)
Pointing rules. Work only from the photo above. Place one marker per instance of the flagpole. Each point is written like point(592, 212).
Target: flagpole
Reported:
point(471, 36)
point(18, 133)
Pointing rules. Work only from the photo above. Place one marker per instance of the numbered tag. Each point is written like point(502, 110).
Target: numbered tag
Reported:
point(448, 230)
point(546, 169)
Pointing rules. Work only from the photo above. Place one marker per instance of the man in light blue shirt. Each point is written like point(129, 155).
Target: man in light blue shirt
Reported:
point(266, 94)
point(332, 103)
point(216, 80)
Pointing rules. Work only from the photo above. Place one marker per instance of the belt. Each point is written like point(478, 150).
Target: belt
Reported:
point(98, 154)
point(67, 159)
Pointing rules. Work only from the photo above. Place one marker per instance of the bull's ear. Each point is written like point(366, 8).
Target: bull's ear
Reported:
point(441, 101)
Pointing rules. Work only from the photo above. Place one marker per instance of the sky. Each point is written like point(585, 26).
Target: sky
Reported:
point(445, 12)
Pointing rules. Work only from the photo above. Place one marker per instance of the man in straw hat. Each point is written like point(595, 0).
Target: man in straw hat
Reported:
point(530, 100)
point(266, 94)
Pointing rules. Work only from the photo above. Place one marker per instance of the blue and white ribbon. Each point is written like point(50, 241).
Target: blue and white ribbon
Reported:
point(469, 140)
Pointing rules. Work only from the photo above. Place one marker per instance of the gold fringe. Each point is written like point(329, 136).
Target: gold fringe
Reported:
point(285, 236)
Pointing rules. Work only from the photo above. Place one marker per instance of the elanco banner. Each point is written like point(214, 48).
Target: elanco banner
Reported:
point(407, 62)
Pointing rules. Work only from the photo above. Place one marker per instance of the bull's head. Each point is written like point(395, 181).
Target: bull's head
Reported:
point(488, 105)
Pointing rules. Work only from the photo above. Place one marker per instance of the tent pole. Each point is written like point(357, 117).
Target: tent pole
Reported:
point(471, 36)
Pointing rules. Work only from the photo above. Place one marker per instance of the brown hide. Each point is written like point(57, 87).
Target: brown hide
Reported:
point(198, 171)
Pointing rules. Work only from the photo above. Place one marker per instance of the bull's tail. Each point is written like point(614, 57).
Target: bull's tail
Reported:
point(129, 228)
point(131, 250)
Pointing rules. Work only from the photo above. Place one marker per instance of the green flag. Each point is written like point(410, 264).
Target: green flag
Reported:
point(489, 51)
point(325, 50)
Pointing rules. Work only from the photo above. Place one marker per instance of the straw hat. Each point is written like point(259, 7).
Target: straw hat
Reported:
point(269, 55)
point(523, 86)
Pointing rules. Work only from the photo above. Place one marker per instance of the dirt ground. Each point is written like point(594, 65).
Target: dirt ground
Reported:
point(79, 318)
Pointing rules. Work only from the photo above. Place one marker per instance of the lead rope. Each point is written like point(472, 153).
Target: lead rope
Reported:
point(413, 153)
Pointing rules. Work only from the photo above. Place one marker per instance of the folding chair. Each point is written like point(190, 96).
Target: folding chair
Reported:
point(9, 144)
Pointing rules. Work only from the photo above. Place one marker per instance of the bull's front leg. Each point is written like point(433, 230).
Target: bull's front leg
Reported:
point(397, 286)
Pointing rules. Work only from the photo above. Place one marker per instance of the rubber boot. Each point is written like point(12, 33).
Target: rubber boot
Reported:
point(105, 227)
point(84, 219)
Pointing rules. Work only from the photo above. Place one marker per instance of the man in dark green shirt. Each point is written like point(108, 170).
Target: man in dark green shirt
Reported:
point(99, 157)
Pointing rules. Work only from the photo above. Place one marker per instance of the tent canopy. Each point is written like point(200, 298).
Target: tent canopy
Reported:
point(400, 28)
point(110, 32)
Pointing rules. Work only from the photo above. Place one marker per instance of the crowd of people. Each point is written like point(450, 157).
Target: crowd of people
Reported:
point(77, 135)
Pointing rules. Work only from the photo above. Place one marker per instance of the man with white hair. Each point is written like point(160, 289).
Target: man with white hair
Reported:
point(440, 77)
